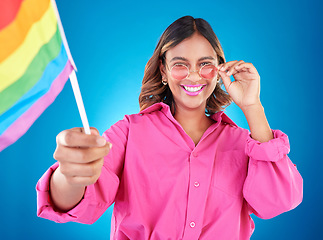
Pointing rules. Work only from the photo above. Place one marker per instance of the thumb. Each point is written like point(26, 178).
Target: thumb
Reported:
point(94, 131)
point(225, 79)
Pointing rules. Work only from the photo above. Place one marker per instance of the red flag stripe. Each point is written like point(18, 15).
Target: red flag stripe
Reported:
point(8, 11)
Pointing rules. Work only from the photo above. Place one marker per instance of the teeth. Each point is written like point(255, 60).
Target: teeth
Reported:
point(193, 89)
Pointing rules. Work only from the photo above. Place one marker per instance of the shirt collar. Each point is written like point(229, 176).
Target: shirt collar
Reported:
point(218, 116)
point(155, 107)
point(221, 116)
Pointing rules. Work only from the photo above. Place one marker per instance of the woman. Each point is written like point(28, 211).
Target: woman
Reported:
point(179, 169)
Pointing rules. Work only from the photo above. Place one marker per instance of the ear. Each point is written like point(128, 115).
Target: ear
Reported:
point(162, 69)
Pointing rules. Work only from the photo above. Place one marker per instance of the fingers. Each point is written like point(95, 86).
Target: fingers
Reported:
point(80, 155)
point(81, 174)
point(246, 67)
point(75, 146)
point(234, 67)
point(230, 67)
point(225, 79)
point(82, 169)
point(76, 138)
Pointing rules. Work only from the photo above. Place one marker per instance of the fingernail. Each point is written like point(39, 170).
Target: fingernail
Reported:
point(228, 73)
point(222, 69)
point(101, 141)
point(110, 145)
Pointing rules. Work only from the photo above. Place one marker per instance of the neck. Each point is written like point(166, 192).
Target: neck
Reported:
point(190, 117)
point(193, 121)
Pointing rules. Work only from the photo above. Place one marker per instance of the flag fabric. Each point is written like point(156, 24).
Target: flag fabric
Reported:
point(35, 64)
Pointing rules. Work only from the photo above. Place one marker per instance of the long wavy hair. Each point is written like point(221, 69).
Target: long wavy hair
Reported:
point(152, 89)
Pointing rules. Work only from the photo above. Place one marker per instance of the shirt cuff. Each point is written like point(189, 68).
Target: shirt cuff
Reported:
point(45, 208)
point(273, 150)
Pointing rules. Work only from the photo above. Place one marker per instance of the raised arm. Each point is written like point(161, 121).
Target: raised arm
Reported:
point(245, 92)
point(273, 184)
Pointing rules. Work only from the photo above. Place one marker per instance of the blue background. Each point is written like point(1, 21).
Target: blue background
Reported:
point(111, 41)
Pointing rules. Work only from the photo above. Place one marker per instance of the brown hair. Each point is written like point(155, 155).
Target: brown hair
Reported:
point(152, 89)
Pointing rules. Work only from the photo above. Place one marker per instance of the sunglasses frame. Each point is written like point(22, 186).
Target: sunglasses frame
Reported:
point(189, 72)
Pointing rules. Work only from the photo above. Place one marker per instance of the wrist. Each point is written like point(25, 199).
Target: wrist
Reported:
point(252, 108)
point(257, 121)
point(63, 195)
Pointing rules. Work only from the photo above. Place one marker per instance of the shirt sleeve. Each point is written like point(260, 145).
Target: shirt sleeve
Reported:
point(97, 197)
point(273, 184)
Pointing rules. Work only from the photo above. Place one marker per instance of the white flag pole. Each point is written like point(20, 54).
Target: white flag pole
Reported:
point(61, 31)
point(73, 79)
point(79, 102)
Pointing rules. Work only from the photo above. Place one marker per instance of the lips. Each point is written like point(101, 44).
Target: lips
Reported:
point(193, 90)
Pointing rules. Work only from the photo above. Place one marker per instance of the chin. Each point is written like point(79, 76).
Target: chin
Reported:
point(191, 104)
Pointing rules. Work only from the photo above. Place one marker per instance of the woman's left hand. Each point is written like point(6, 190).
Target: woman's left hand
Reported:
point(245, 89)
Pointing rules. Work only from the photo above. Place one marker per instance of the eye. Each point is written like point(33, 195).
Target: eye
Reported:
point(205, 63)
point(180, 64)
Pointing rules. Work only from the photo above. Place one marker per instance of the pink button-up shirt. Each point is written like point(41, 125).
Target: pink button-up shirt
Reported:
point(165, 187)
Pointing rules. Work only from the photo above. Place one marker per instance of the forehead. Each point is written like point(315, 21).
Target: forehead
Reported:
point(192, 48)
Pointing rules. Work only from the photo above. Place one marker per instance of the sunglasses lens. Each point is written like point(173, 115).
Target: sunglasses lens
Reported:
point(208, 71)
point(179, 72)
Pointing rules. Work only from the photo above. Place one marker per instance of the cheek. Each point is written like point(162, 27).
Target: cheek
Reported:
point(212, 86)
point(173, 84)
point(176, 90)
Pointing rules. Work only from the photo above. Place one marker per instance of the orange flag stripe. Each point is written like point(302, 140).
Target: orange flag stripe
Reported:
point(14, 34)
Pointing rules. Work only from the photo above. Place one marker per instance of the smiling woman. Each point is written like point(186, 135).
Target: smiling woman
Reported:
point(152, 91)
point(196, 52)
point(180, 168)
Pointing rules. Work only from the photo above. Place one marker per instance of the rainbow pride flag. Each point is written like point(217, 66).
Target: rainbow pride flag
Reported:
point(35, 63)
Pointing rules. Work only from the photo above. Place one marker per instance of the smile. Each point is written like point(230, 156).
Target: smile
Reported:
point(193, 90)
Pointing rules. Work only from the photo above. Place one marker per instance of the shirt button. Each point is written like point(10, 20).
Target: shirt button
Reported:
point(195, 154)
point(192, 224)
point(196, 184)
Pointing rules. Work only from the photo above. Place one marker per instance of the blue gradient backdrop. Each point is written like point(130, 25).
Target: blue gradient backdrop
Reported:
point(111, 41)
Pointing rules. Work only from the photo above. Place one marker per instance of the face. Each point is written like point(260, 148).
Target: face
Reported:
point(191, 92)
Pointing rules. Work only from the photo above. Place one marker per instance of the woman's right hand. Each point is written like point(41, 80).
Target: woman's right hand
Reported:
point(80, 156)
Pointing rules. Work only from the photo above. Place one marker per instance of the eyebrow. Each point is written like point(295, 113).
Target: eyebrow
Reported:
point(185, 59)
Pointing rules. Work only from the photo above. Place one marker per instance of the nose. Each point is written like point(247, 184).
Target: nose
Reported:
point(194, 77)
